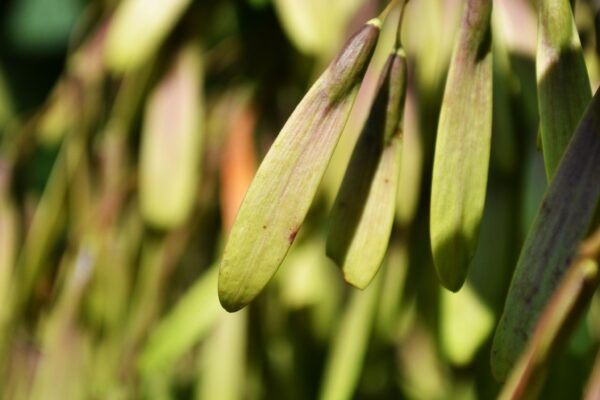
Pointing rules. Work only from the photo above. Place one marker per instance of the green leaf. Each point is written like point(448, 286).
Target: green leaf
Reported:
point(363, 213)
point(185, 325)
point(563, 84)
point(349, 345)
point(286, 182)
point(561, 223)
point(462, 151)
point(223, 360)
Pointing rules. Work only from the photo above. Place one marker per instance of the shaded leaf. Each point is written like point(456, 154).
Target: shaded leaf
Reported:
point(558, 320)
point(561, 223)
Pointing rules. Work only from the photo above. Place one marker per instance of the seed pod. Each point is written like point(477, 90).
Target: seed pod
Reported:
point(411, 167)
point(560, 317)
point(171, 143)
point(138, 29)
point(286, 182)
point(462, 150)
point(363, 212)
point(314, 26)
point(561, 223)
point(563, 85)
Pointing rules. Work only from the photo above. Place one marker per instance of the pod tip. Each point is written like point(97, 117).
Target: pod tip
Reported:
point(376, 22)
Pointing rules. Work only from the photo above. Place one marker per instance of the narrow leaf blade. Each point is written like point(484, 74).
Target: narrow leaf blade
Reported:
point(560, 317)
point(561, 223)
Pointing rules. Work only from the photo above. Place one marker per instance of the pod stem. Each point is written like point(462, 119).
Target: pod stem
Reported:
point(398, 44)
point(381, 17)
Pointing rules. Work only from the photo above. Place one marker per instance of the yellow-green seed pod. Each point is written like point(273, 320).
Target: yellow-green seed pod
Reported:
point(363, 212)
point(562, 221)
point(286, 182)
point(563, 85)
point(171, 143)
point(137, 29)
point(462, 152)
point(314, 26)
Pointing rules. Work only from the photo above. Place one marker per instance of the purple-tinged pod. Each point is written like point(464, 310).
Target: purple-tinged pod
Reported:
point(285, 184)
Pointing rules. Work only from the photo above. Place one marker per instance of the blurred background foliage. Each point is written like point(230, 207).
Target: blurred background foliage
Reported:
point(129, 132)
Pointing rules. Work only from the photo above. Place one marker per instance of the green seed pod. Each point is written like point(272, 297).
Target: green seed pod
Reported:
point(563, 85)
point(462, 150)
point(363, 212)
point(561, 223)
point(315, 26)
point(137, 29)
point(286, 182)
point(171, 143)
